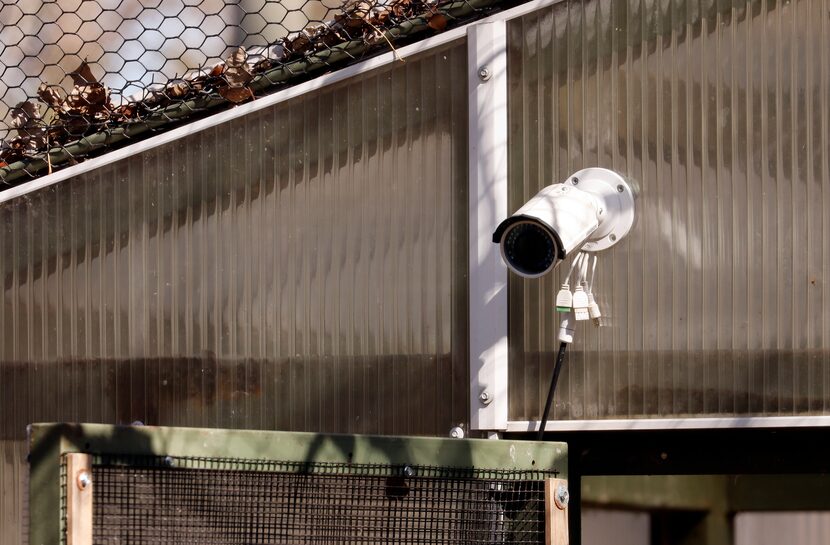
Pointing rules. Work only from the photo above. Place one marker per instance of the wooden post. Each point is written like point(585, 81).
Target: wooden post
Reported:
point(556, 512)
point(78, 499)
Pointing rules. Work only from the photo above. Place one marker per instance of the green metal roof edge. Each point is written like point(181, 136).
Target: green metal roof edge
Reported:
point(283, 74)
point(250, 445)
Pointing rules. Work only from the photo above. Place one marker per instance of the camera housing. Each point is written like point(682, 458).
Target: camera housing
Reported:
point(590, 211)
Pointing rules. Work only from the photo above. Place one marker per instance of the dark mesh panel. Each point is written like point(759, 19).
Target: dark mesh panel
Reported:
point(297, 503)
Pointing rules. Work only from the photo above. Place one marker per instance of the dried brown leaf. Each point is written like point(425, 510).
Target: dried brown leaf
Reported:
point(262, 65)
point(437, 21)
point(217, 70)
point(127, 110)
point(236, 71)
point(354, 14)
point(373, 36)
point(380, 16)
point(25, 115)
point(359, 9)
point(401, 8)
point(300, 44)
point(52, 95)
point(236, 94)
point(278, 52)
point(314, 30)
point(177, 89)
point(83, 75)
point(237, 58)
point(87, 99)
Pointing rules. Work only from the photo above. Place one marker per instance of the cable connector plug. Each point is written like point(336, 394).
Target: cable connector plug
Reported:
point(580, 304)
point(566, 328)
point(593, 310)
point(564, 299)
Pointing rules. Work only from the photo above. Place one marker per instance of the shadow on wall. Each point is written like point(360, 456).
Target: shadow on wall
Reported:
point(345, 395)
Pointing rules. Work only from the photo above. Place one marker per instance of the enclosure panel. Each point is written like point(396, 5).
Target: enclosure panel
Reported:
point(301, 268)
point(718, 303)
point(153, 484)
point(767, 528)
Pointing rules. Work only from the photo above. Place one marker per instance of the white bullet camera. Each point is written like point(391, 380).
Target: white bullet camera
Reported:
point(592, 210)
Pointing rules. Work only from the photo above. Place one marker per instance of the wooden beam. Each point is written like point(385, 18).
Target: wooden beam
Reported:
point(78, 499)
point(556, 512)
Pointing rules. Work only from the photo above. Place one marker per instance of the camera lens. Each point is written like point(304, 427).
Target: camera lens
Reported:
point(529, 248)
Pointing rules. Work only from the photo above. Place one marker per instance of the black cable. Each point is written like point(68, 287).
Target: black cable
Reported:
point(560, 358)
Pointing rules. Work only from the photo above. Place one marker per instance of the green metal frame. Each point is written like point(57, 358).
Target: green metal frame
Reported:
point(49, 442)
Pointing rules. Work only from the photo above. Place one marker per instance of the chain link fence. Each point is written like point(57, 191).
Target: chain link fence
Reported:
point(78, 77)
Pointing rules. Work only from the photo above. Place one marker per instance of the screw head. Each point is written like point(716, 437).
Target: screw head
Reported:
point(484, 73)
point(485, 398)
point(457, 432)
point(613, 237)
point(408, 471)
point(620, 188)
point(575, 180)
point(562, 496)
point(84, 479)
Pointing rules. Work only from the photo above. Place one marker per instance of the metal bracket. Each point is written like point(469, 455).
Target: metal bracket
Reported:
point(616, 198)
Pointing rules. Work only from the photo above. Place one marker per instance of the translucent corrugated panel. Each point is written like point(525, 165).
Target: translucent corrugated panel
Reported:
point(718, 303)
point(771, 528)
point(605, 526)
point(301, 268)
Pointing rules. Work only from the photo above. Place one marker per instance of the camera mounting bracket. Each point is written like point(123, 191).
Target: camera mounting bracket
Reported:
point(615, 198)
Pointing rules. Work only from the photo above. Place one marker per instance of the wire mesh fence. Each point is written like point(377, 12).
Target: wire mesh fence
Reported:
point(79, 76)
point(162, 500)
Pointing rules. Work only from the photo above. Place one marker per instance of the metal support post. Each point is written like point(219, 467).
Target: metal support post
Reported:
point(487, 77)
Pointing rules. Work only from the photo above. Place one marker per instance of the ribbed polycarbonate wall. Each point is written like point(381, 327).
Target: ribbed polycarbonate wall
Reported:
point(718, 303)
point(300, 268)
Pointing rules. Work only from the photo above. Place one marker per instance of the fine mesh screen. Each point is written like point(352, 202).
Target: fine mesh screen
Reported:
point(184, 501)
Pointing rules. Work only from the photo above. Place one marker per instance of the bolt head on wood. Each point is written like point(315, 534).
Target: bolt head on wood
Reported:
point(562, 496)
point(84, 479)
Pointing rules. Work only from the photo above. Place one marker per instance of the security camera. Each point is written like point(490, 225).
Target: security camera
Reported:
point(590, 211)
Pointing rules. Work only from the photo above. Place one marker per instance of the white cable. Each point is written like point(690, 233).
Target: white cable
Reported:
point(593, 273)
point(593, 307)
point(585, 267)
point(574, 263)
point(579, 301)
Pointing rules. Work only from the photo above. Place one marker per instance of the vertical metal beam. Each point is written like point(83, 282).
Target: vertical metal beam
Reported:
point(487, 77)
